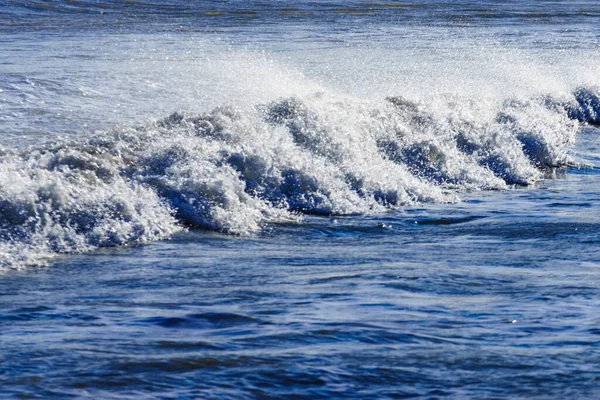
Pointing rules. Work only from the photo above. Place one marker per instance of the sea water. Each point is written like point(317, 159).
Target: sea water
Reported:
point(299, 200)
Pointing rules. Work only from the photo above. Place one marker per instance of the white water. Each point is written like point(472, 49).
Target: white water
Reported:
point(235, 169)
point(349, 130)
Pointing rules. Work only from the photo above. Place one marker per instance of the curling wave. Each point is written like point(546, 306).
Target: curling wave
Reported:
point(234, 170)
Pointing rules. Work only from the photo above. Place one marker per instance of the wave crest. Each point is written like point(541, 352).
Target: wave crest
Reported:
point(233, 170)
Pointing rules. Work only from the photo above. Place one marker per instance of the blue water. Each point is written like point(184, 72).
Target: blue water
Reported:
point(308, 200)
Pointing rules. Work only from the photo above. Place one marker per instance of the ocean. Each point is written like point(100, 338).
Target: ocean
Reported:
point(310, 200)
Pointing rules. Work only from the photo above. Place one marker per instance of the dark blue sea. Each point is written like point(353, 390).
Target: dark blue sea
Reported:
point(299, 200)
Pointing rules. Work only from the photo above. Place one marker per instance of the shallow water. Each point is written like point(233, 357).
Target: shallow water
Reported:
point(330, 200)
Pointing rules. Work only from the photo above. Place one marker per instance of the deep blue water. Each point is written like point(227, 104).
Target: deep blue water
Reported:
point(495, 297)
point(310, 200)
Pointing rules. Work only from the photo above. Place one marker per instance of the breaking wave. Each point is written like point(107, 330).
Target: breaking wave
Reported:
point(236, 169)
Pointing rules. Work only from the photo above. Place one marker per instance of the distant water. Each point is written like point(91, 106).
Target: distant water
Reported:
point(310, 200)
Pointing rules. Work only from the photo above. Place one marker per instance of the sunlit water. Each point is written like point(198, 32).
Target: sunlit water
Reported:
point(259, 200)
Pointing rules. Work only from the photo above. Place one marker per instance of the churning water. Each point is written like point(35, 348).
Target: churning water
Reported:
point(307, 200)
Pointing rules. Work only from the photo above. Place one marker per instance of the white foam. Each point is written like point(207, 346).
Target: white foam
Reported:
point(336, 131)
point(236, 169)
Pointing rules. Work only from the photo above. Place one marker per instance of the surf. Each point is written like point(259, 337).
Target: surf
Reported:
point(237, 169)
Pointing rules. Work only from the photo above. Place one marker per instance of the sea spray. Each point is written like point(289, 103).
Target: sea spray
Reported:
point(234, 169)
